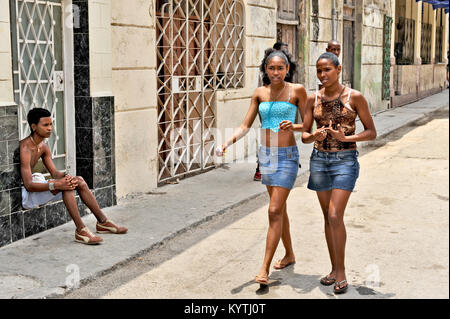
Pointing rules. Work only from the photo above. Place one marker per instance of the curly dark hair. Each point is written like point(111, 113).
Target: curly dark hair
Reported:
point(292, 65)
point(35, 114)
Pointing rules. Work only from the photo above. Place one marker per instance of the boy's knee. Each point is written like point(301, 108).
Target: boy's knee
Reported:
point(81, 182)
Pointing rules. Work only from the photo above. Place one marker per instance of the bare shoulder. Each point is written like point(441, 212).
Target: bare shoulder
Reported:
point(259, 91)
point(356, 97)
point(311, 98)
point(299, 88)
point(24, 145)
point(355, 93)
point(46, 148)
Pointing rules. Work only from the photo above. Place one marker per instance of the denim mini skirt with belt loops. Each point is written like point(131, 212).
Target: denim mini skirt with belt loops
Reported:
point(333, 170)
point(278, 165)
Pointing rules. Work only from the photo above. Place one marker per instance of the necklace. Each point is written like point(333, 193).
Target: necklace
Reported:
point(279, 94)
point(37, 146)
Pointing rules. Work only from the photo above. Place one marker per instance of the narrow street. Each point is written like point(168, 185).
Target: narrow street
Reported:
point(397, 236)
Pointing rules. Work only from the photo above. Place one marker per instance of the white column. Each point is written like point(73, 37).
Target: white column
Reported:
point(417, 16)
point(433, 36)
point(445, 39)
point(6, 81)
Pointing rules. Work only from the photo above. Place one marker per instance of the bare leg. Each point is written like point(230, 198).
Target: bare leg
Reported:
point(286, 238)
point(278, 197)
point(338, 202)
point(72, 208)
point(324, 200)
point(88, 198)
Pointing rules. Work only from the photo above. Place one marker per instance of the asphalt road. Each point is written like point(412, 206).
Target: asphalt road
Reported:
point(397, 236)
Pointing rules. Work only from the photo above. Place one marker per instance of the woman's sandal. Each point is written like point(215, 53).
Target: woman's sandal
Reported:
point(278, 265)
point(327, 281)
point(262, 280)
point(340, 290)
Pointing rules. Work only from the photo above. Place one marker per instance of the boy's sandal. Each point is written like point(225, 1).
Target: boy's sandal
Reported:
point(327, 281)
point(338, 289)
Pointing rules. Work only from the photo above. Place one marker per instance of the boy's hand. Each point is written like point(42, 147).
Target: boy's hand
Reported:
point(68, 183)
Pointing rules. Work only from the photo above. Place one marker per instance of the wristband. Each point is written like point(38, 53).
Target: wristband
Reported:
point(51, 186)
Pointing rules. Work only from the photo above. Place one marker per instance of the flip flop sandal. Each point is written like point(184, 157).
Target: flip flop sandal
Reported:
point(327, 281)
point(262, 280)
point(340, 290)
point(278, 265)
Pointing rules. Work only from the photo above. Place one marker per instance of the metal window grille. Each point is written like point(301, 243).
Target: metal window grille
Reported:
point(200, 49)
point(425, 45)
point(404, 44)
point(439, 35)
point(37, 66)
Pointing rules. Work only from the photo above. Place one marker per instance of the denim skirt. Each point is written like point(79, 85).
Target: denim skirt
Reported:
point(331, 170)
point(278, 165)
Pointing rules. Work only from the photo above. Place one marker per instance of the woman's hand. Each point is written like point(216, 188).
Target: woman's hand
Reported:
point(286, 125)
point(320, 134)
point(337, 134)
point(220, 150)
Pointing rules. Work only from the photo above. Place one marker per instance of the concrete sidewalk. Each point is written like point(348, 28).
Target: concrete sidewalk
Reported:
point(48, 263)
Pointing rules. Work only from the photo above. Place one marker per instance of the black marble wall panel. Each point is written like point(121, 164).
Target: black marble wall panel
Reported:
point(104, 196)
point(34, 221)
point(17, 227)
point(4, 203)
point(15, 199)
point(95, 143)
point(56, 214)
point(103, 172)
point(83, 114)
point(10, 180)
point(5, 230)
point(85, 169)
point(84, 142)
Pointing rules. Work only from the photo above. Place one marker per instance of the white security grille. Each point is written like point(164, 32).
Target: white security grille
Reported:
point(200, 49)
point(38, 67)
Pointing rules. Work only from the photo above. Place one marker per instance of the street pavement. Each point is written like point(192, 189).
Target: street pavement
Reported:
point(213, 227)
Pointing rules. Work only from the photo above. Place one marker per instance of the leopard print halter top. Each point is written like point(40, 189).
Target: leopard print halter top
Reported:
point(338, 113)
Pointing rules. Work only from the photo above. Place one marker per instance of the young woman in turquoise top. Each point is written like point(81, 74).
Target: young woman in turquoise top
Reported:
point(277, 103)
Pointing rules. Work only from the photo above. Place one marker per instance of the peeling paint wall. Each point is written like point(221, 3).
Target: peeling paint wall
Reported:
point(372, 52)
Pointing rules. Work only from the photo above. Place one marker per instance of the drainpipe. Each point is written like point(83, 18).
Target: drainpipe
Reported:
point(333, 15)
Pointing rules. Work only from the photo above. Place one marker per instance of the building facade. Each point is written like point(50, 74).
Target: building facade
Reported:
point(142, 91)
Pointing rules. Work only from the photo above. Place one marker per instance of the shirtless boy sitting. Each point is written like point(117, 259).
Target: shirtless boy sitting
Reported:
point(37, 191)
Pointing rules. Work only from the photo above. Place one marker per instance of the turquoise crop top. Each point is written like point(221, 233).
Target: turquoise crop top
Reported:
point(272, 113)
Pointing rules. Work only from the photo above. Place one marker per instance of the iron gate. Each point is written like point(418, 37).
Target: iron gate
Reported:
point(200, 49)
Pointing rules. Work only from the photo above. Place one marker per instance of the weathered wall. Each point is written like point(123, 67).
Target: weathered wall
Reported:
point(320, 32)
point(372, 52)
point(134, 88)
point(100, 47)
